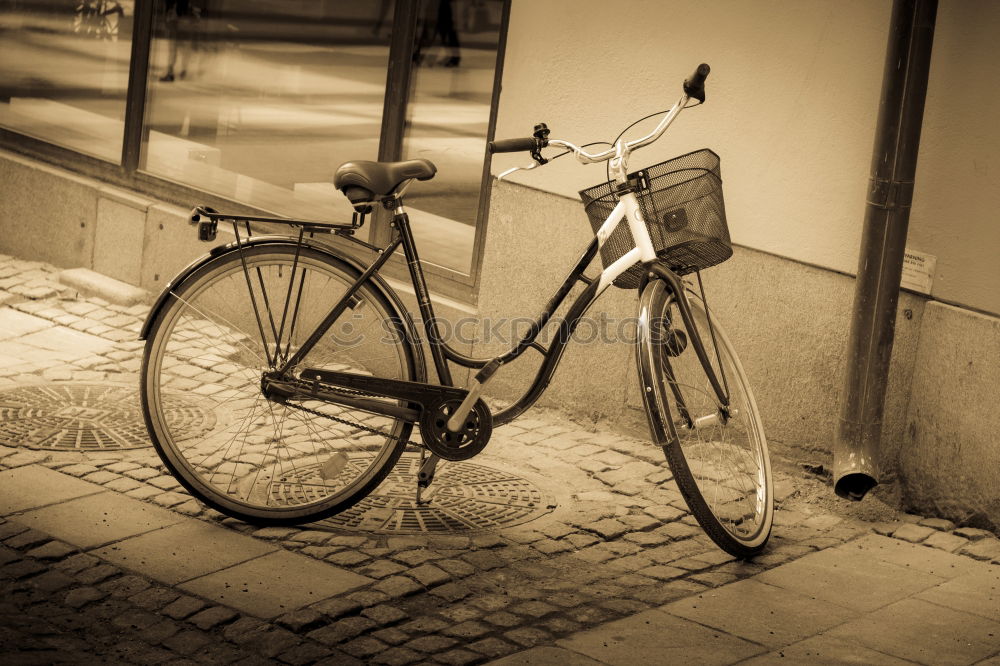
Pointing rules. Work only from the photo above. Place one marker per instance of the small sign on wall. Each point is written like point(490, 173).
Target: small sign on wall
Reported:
point(918, 271)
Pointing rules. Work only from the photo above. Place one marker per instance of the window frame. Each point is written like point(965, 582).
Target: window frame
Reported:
point(127, 174)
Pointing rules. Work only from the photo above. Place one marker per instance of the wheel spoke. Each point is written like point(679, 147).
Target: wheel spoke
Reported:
point(266, 461)
point(720, 465)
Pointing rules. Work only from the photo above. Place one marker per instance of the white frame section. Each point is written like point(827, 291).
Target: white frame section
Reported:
point(628, 203)
point(628, 207)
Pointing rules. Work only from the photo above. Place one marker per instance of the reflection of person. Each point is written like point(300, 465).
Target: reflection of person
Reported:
point(180, 23)
point(438, 22)
point(384, 10)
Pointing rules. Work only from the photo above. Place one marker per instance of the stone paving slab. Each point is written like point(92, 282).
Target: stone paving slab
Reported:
point(185, 550)
point(96, 520)
point(8, 360)
point(545, 656)
point(34, 486)
point(761, 613)
point(848, 579)
point(977, 593)
point(928, 560)
point(924, 632)
point(825, 650)
point(656, 637)
point(67, 340)
point(14, 324)
point(275, 583)
point(908, 616)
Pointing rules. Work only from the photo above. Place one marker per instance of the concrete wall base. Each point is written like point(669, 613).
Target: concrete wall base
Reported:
point(950, 459)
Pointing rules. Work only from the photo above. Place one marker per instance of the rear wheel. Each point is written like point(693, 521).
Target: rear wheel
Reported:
point(267, 461)
point(718, 455)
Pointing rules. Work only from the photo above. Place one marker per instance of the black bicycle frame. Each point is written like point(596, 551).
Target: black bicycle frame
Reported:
point(442, 353)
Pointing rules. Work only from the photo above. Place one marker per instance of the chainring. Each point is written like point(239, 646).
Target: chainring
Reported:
point(470, 439)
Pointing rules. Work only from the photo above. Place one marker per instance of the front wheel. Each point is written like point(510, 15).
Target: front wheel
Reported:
point(718, 453)
point(261, 459)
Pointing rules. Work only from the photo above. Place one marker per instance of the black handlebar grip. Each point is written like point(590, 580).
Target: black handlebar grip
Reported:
point(513, 145)
point(694, 86)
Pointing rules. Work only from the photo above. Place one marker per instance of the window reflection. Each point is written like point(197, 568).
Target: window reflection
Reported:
point(260, 100)
point(448, 117)
point(64, 71)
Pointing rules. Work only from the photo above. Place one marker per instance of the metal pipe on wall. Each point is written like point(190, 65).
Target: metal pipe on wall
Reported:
point(880, 262)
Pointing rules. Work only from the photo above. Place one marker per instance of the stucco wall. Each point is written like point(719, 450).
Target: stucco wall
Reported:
point(792, 104)
point(957, 195)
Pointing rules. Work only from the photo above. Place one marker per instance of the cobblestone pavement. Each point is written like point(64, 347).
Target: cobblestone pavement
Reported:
point(614, 539)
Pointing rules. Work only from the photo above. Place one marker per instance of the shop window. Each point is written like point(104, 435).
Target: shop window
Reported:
point(448, 116)
point(258, 101)
point(64, 72)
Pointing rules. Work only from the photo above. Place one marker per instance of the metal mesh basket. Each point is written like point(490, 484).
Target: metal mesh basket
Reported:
point(681, 202)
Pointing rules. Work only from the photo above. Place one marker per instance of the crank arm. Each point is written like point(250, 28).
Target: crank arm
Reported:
point(478, 382)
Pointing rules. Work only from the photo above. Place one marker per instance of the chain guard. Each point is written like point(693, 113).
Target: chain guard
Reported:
point(462, 445)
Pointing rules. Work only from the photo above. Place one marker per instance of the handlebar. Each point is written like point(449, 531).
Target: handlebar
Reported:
point(528, 143)
point(694, 88)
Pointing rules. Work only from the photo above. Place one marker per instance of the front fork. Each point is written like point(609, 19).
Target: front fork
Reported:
point(675, 285)
point(653, 354)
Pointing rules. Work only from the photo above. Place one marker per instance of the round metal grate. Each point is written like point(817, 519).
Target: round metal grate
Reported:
point(88, 417)
point(463, 497)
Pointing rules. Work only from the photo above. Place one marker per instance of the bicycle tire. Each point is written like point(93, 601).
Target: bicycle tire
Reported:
point(721, 468)
point(261, 461)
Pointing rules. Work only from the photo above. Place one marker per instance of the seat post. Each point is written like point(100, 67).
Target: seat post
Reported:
point(401, 223)
point(394, 204)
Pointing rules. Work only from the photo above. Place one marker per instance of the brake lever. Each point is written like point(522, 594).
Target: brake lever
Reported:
point(533, 165)
point(541, 134)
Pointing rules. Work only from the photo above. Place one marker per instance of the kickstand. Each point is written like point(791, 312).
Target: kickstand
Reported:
point(426, 473)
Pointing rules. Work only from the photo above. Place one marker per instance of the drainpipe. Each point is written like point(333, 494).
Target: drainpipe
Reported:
point(880, 263)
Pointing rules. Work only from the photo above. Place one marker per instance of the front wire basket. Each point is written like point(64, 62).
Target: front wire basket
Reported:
point(681, 203)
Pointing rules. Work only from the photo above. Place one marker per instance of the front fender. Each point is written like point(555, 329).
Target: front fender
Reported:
point(376, 281)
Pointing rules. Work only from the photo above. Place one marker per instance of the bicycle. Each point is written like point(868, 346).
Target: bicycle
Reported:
point(318, 370)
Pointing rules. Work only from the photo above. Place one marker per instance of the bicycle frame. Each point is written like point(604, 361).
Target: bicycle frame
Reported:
point(644, 252)
point(442, 353)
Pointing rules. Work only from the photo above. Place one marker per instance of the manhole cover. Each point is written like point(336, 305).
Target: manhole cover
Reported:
point(88, 417)
point(464, 497)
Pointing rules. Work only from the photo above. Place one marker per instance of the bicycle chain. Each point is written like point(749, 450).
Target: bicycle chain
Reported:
point(369, 429)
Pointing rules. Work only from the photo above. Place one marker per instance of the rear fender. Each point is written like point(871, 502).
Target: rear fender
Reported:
point(376, 281)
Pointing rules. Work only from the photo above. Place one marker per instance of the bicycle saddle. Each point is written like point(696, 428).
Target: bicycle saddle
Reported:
point(378, 179)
